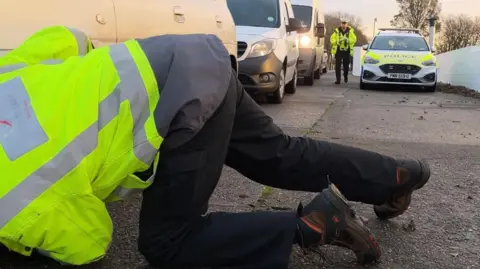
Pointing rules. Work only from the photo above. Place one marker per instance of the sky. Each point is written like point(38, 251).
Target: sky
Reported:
point(384, 10)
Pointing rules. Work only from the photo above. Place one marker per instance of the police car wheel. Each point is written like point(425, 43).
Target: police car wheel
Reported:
point(362, 85)
point(431, 88)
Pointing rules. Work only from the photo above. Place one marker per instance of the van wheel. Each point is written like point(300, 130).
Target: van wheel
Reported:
point(292, 85)
point(316, 75)
point(277, 97)
point(324, 70)
point(309, 79)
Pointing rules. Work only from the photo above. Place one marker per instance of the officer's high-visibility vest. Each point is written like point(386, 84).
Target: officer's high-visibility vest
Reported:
point(48, 45)
point(343, 41)
point(73, 136)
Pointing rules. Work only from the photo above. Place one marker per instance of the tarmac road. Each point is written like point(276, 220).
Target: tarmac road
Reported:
point(440, 230)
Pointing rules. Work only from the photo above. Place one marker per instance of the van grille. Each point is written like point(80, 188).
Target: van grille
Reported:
point(241, 48)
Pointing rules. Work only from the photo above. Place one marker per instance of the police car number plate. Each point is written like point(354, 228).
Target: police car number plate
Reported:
point(399, 76)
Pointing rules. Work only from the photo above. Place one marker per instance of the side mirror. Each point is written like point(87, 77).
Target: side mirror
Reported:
point(365, 47)
point(294, 25)
point(320, 30)
point(433, 50)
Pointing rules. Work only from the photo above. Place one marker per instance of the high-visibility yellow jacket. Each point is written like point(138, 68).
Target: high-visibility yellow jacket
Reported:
point(64, 43)
point(77, 134)
point(343, 41)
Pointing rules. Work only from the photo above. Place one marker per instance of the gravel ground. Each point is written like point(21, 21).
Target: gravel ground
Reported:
point(440, 230)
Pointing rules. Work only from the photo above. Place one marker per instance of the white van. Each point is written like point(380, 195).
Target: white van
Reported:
point(267, 46)
point(311, 62)
point(112, 21)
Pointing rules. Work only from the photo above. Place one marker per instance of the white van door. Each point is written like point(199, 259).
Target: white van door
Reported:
point(292, 42)
point(145, 18)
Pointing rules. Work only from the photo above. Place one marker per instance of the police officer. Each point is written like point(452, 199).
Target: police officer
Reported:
point(163, 115)
point(342, 40)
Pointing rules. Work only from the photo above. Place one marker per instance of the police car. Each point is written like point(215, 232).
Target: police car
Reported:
point(400, 57)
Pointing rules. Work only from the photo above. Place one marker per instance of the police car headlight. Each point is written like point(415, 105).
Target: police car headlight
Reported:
point(262, 48)
point(429, 63)
point(370, 60)
point(305, 41)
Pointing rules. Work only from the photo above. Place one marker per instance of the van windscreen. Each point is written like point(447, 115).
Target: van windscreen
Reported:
point(257, 13)
point(304, 14)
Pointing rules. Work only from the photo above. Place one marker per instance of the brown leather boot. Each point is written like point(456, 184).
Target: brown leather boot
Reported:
point(411, 175)
point(329, 220)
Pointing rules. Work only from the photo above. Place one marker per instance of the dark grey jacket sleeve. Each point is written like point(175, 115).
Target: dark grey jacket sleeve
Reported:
point(193, 73)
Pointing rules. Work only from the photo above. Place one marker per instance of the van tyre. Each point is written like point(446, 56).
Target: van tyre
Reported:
point(317, 74)
point(309, 79)
point(291, 87)
point(324, 70)
point(278, 95)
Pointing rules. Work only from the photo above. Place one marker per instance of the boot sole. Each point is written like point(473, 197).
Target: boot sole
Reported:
point(370, 255)
point(425, 174)
point(393, 214)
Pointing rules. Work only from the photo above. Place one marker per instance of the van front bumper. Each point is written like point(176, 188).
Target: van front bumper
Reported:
point(260, 74)
point(420, 75)
point(305, 62)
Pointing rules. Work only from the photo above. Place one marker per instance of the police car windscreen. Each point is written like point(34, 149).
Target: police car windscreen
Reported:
point(404, 43)
point(257, 13)
point(304, 14)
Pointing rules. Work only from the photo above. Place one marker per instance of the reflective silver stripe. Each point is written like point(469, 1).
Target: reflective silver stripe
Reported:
point(124, 193)
point(21, 132)
point(130, 88)
point(34, 185)
point(82, 40)
point(51, 62)
point(13, 67)
point(10, 68)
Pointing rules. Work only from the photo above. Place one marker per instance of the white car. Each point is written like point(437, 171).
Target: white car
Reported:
point(399, 57)
point(112, 21)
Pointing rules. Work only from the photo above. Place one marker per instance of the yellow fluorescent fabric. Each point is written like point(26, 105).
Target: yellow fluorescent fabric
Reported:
point(72, 135)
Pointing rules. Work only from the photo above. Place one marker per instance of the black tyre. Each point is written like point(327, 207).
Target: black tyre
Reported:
point(291, 87)
point(316, 74)
point(278, 95)
point(431, 88)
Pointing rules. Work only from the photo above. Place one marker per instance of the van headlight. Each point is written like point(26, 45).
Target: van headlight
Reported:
point(262, 48)
point(370, 60)
point(305, 41)
point(429, 63)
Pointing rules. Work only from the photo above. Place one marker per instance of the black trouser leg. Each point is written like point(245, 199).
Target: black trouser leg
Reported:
point(346, 63)
point(173, 231)
point(338, 64)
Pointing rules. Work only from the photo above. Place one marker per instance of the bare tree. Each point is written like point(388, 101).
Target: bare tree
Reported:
point(459, 31)
point(415, 14)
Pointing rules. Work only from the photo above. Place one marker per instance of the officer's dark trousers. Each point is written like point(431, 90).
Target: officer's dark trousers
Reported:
point(175, 232)
point(342, 56)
